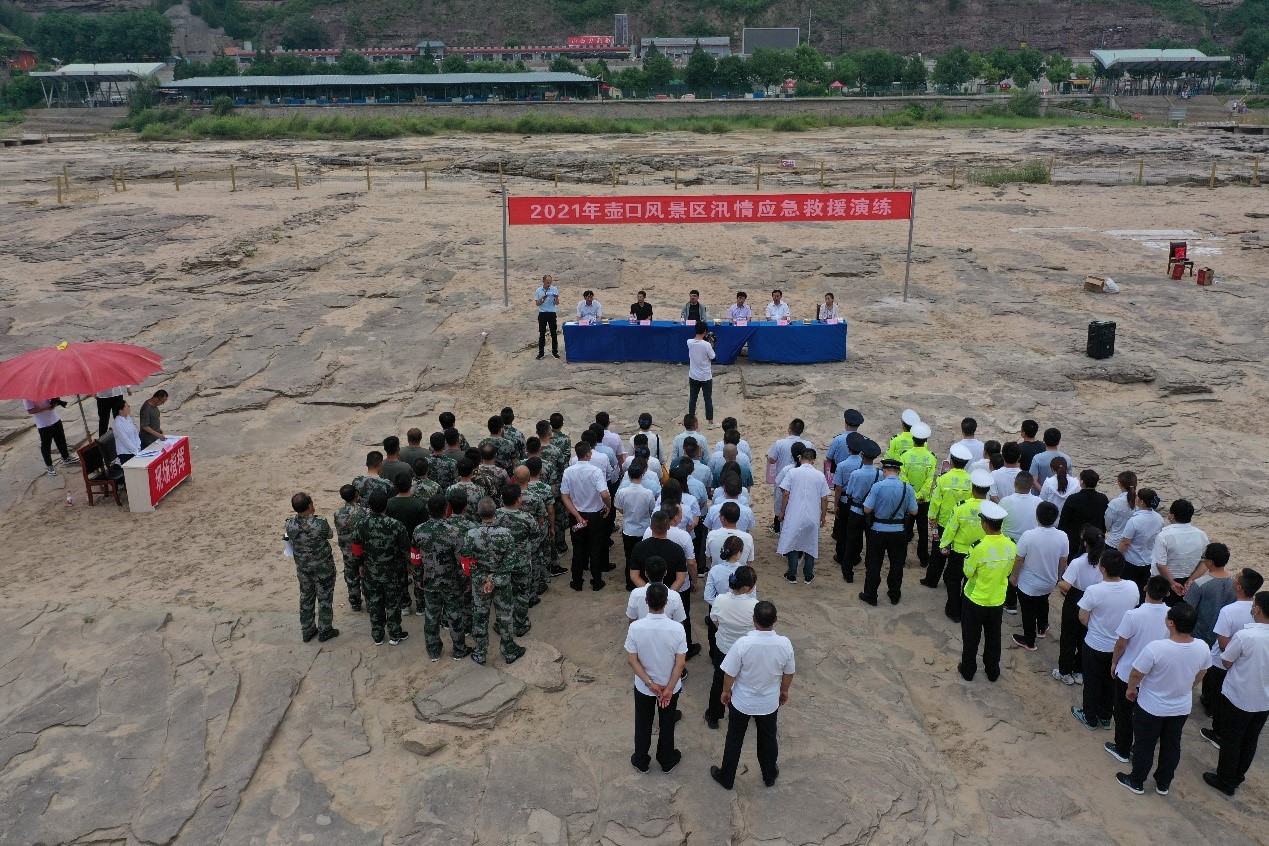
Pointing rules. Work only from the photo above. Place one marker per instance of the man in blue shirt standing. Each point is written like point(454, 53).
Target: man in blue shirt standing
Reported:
point(838, 449)
point(848, 462)
point(547, 298)
point(858, 484)
point(890, 502)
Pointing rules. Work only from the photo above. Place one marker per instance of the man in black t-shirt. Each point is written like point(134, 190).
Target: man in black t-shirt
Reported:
point(1029, 447)
point(641, 309)
point(662, 547)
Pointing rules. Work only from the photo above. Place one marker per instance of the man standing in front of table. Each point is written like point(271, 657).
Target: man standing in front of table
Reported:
point(700, 374)
point(547, 299)
point(777, 309)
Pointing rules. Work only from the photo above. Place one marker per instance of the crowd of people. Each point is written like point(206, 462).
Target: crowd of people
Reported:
point(458, 533)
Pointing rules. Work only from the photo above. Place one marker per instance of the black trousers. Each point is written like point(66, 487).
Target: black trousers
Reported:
point(1172, 599)
point(1123, 718)
point(1035, 615)
point(1210, 694)
point(50, 435)
point(1099, 695)
point(645, 710)
point(699, 386)
point(589, 546)
point(880, 545)
point(920, 527)
point(980, 622)
point(1147, 732)
point(852, 545)
point(628, 544)
point(839, 529)
point(108, 407)
point(686, 596)
point(1071, 646)
point(1140, 575)
point(768, 745)
point(936, 563)
point(954, 581)
point(714, 710)
point(547, 319)
point(1240, 732)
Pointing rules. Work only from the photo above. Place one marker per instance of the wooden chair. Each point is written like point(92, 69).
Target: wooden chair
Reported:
point(101, 475)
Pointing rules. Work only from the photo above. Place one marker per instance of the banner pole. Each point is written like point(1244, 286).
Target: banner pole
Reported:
point(506, 289)
point(907, 269)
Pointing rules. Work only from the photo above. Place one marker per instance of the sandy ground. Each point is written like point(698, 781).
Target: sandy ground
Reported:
point(299, 328)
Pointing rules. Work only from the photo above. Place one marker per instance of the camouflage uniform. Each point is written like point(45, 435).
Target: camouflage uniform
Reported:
point(424, 489)
point(563, 451)
point(491, 477)
point(506, 452)
point(438, 583)
point(310, 538)
point(548, 559)
point(443, 470)
point(492, 552)
point(367, 485)
point(462, 524)
point(346, 518)
point(516, 437)
point(385, 549)
point(474, 493)
point(524, 529)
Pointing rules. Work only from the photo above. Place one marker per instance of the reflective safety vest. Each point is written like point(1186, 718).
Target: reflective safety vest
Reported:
point(952, 489)
point(899, 444)
point(966, 528)
point(918, 471)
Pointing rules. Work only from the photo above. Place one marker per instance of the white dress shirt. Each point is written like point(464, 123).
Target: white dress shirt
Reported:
point(714, 521)
point(1247, 683)
point(637, 605)
point(127, 438)
point(777, 311)
point(635, 503)
point(1179, 547)
point(584, 483)
point(733, 614)
point(758, 662)
point(594, 311)
point(657, 640)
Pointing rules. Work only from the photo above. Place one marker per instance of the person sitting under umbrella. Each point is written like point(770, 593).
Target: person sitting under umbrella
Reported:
point(127, 438)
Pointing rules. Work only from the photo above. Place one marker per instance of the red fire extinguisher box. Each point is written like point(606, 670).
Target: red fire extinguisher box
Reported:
point(1206, 276)
point(1177, 270)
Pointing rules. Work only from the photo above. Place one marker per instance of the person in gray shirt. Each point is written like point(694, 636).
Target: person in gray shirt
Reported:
point(1041, 466)
point(151, 419)
point(1213, 595)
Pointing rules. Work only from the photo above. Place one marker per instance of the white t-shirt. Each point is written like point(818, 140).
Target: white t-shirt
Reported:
point(1049, 491)
point(656, 639)
point(1140, 626)
point(654, 444)
point(1020, 516)
point(699, 355)
point(1140, 531)
point(47, 417)
point(714, 544)
point(1106, 604)
point(1080, 575)
point(1232, 619)
point(758, 661)
point(1042, 549)
point(1247, 684)
point(733, 614)
point(1179, 547)
point(635, 503)
point(1002, 482)
point(637, 605)
point(745, 523)
point(1170, 669)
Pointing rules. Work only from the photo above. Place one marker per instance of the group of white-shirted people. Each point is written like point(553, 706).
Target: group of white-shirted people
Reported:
point(1149, 607)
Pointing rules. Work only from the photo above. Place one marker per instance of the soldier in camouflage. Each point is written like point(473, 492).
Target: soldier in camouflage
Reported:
point(440, 467)
point(511, 433)
point(472, 491)
point(310, 538)
point(506, 455)
point(447, 421)
point(464, 519)
point(556, 448)
point(489, 553)
point(381, 547)
point(549, 560)
point(524, 530)
point(370, 482)
point(438, 580)
point(488, 474)
point(346, 518)
point(423, 487)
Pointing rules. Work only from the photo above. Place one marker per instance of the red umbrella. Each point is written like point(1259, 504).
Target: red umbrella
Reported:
point(84, 368)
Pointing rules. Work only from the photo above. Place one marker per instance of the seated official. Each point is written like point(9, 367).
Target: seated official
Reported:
point(589, 308)
point(828, 309)
point(641, 309)
point(777, 309)
point(694, 310)
point(740, 310)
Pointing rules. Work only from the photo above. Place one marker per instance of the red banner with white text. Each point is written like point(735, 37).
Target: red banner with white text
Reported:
point(721, 208)
point(170, 469)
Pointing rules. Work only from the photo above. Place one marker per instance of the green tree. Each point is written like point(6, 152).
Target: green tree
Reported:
point(289, 64)
point(353, 63)
point(1001, 59)
point(1030, 60)
point(771, 67)
point(914, 74)
point(598, 69)
point(454, 63)
point(303, 34)
point(657, 69)
point(992, 75)
point(424, 63)
point(22, 92)
point(808, 65)
point(879, 68)
point(733, 73)
point(356, 27)
point(1262, 75)
point(630, 81)
point(391, 66)
point(952, 69)
point(222, 65)
point(9, 43)
point(1058, 69)
point(62, 35)
point(846, 71)
point(701, 70)
point(1254, 47)
point(1022, 77)
point(189, 70)
point(560, 64)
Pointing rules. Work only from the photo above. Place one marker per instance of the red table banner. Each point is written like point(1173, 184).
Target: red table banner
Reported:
point(169, 470)
point(720, 208)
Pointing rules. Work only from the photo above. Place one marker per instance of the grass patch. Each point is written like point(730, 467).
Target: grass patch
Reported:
point(168, 124)
point(1035, 172)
